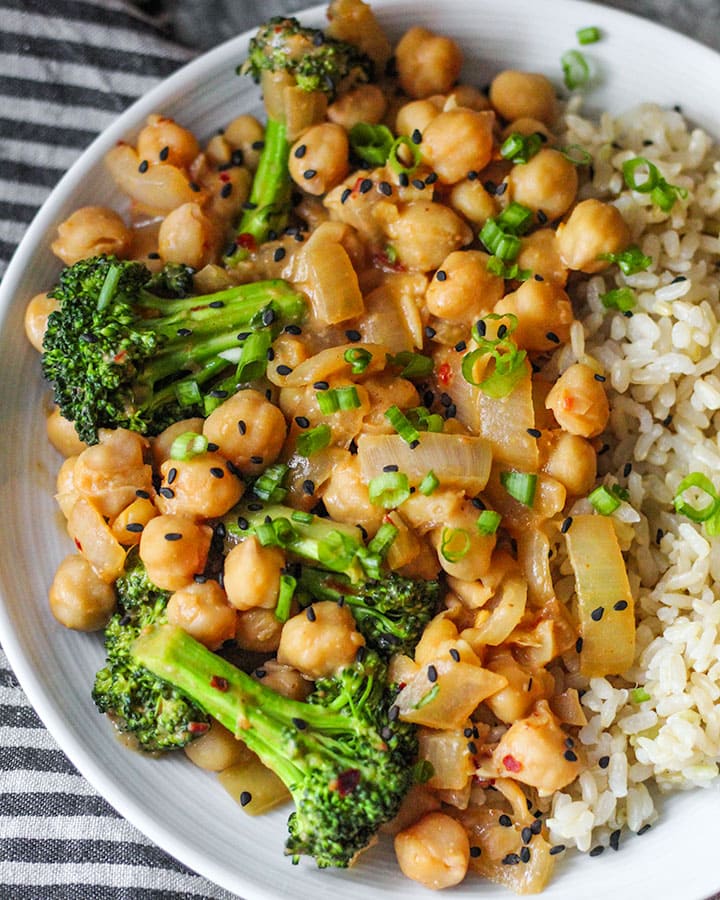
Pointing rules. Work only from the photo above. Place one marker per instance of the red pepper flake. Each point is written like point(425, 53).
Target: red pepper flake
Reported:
point(198, 727)
point(120, 357)
point(511, 764)
point(356, 187)
point(246, 240)
point(78, 545)
point(223, 176)
point(444, 374)
point(381, 261)
point(348, 781)
point(219, 683)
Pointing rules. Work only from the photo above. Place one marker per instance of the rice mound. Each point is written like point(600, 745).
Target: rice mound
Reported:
point(662, 364)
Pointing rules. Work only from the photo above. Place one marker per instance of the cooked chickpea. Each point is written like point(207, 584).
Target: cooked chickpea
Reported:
point(321, 640)
point(62, 435)
point(217, 749)
point(110, 473)
point(427, 63)
point(461, 549)
point(571, 460)
point(36, 316)
point(424, 233)
point(201, 609)
point(365, 103)
point(163, 140)
point(524, 94)
point(594, 228)
point(470, 198)
point(91, 231)
point(468, 96)
point(131, 522)
point(174, 549)
point(524, 686)
point(579, 402)
point(248, 429)
point(463, 289)
point(415, 116)
point(188, 236)
point(228, 190)
point(283, 679)
point(319, 158)
point(202, 487)
point(246, 134)
point(66, 492)
point(79, 599)
point(539, 254)
point(435, 851)
point(384, 390)
point(347, 500)
point(457, 142)
point(161, 445)
point(547, 183)
point(258, 630)
point(252, 575)
point(542, 308)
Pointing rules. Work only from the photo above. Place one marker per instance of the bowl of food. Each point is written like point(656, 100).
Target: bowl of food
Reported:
point(382, 444)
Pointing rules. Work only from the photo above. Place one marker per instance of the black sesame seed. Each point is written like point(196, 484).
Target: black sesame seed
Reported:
point(565, 527)
point(255, 507)
point(627, 469)
point(218, 393)
point(258, 145)
point(468, 732)
point(481, 327)
point(472, 748)
point(226, 190)
point(536, 826)
point(451, 411)
point(579, 645)
point(678, 279)
point(302, 421)
point(153, 255)
point(242, 426)
point(256, 460)
point(173, 536)
point(390, 467)
point(345, 194)
point(299, 723)
point(645, 829)
point(270, 355)
point(472, 175)
point(413, 444)
point(604, 762)
point(242, 523)
point(167, 493)
point(310, 613)
point(534, 432)
point(598, 377)
point(321, 385)
point(365, 185)
point(596, 851)
point(418, 183)
point(512, 859)
point(171, 475)
point(551, 336)
point(526, 835)
point(505, 821)
point(217, 472)
point(89, 338)
point(416, 136)
point(309, 174)
point(430, 332)
point(475, 852)
point(489, 186)
point(293, 329)
point(432, 178)
point(558, 848)
point(242, 335)
point(603, 449)
point(541, 217)
point(615, 839)
point(361, 654)
point(385, 188)
point(353, 335)
point(500, 189)
point(216, 304)
point(525, 855)
point(194, 186)
point(308, 487)
point(300, 151)
point(667, 421)
point(403, 179)
point(478, 503)
point(455, 654)
point(432, 674)
point(268, 316)
point(143, 495)
point(569, 742)
point(502, 331)
point(282, 369)
point(245, 798)
point(538, 277)
point(659, 534)
point(570, 755)
point(620, 605)
point(460, 346)
point(143, 167)
point(260, 673)
point(597, 613)
point(134, 527)
point(163, 154)
point(279, 254)
point(393, 713)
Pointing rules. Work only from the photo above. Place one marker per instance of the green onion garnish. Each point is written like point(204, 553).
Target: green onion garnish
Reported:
point(253, 356)
point(639, 695)
point(520, 148)
point(455, 544)
point(187, 445)
point(488, 521)
point(499, 243)
point(576, 71)
point(429, 483)
point(424, 420)
point(661, 193)
point(337, 549)
point(372, 143)
point(520, 485)
point(266, 534)
point(621, 298)
point(285, 596)
point(509, 362)
point(589, 35)
point(358, 359)
point(336, 399)
point(503, 270)
point(702, 484)
point(269, 485)
point(394, 161)
point(302, 517)
point(389, 489)
point(604, 500)
point(313, 440)
point(423, 770)
point(400, 422)
point(414, 365)
point(188, 393)
point(576, 154)
point(515, 218)
point(383, 539)
point(391, 254)
point(630, 261)
point(428, 698)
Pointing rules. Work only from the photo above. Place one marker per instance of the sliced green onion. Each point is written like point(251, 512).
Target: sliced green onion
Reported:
point(187, 445)
point(336, 549)
point(520, 148)
point(576, 71)
point(604, 500)
point(371, 562)
point(389, 489)
point(520, 485)
point(621, 298)
point(488, 521)
point(400, 422)
point(424, 420)
point(394, 161)
point(269, 486)
point(253, 357)
point(703, 484)
point(515, 218)
point(661, 193)
point(429, 483)
point(630, 261)
point(383, 539)
point(302, 517)
point(589, 35)
point(107, 291)
point(336, 399)
point(313, 440)
point(266, 534)
point(285, 596)
point(428, 698)
point(455, 544)
point(423, 770)
point(512, 272)
point(576, 154)
point(391, 254)
point(358, 359)
point(371, 143)
point(414, 365)
point(509, 362)
point(639, 695)
point(188, 393)
point(498, 242)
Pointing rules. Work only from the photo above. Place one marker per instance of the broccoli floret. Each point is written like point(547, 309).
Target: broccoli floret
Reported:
point(315, 64)
point(391, 613)
point(118, 355)
point(138, 702)
point(344, 757)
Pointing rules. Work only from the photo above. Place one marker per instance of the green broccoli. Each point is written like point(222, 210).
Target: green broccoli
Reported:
point(315, 64)
point(137, 701)
point(118, 355)
point(345, 757)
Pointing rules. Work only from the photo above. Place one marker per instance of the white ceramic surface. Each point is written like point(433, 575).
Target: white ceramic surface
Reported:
point(175, 804)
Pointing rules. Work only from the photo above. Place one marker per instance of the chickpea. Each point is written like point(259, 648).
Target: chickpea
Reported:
point(519, 94)
point(174, 549)
point(524, 686)
point(424, 233)
point(319, 158)
point(542, 308)
point(161, 444)
point(365, 103)
point(593, 228)
point(470, 199)
point(283, 679)
point(252, 575)
point(91, 231)
point(188, 236)
point(36, 316)
point(427, 63)
point(415, 116)
point(228, 190)
point(571, 460)
point(217, 749)
point(539, 254)
point(66, 492)
point(547, 184)
point(457, 142)
point(110, 473)
point(321, 640)
point(248, 429)
point(62, 435)
point(163, 140)
point(202, 487)
point(246, 134)
point(347, 500)
point(579, 402)
point(468, 96)
point(463, 289)
point(131, 522)
point(218, 151)
point(461, 549)
point(79, 599)
point(384, 390)
point(258, 630)
point(435, 851)
point(201, 609)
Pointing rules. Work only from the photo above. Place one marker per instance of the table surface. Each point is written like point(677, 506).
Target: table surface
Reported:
point(196, 25)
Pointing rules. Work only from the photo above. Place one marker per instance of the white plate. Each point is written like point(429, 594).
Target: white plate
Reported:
point(176, 805)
